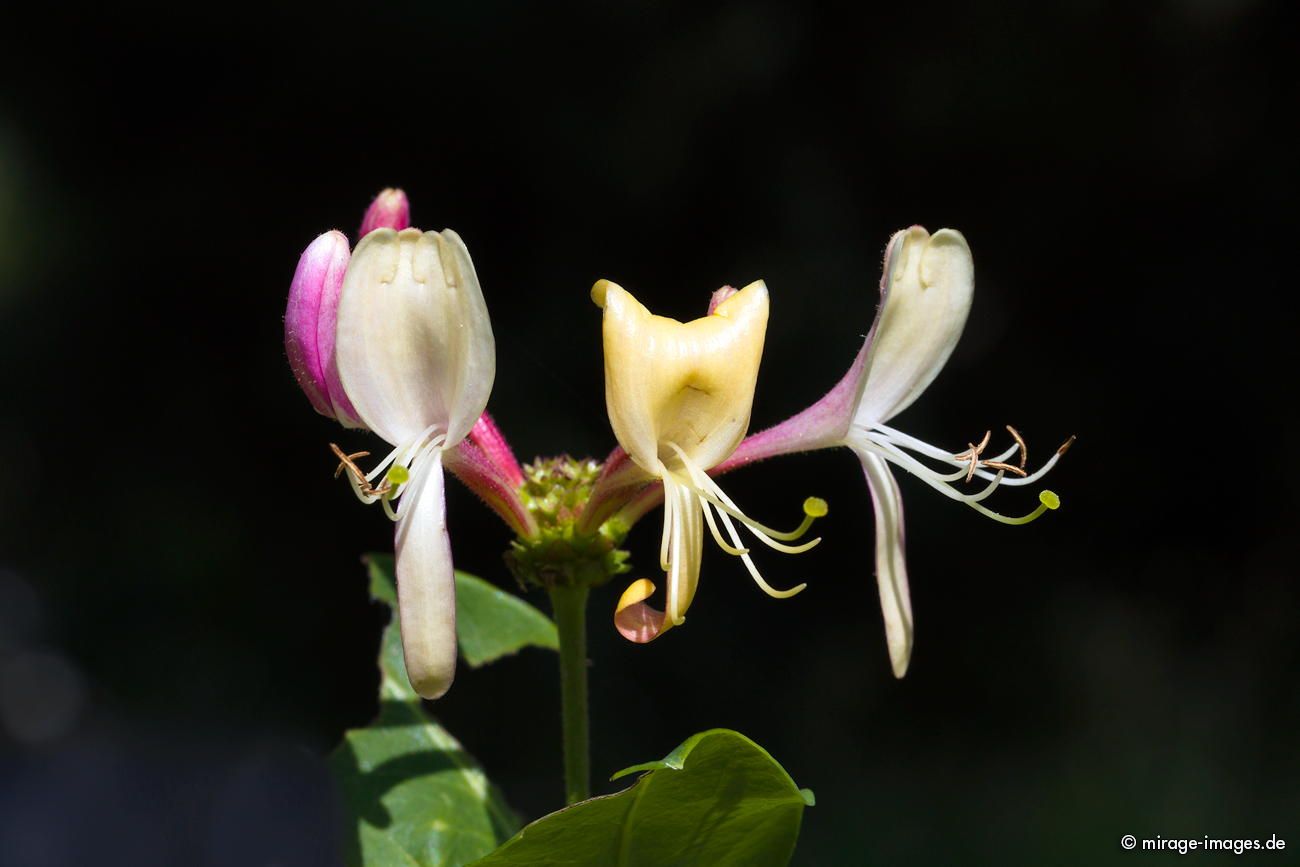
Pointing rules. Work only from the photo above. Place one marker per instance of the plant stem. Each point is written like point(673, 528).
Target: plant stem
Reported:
point(569, 603)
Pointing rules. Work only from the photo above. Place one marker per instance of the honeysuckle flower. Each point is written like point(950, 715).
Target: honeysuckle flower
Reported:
point(679, 397)
point(926, 293)
point(417, 358)
point(434, 363)
point(484, 461)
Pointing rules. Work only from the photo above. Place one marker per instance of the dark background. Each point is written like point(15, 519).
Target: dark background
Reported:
point(184, 626)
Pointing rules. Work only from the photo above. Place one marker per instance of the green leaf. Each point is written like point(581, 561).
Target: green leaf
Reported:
point(415, 797)
point(490, 623)
point(717, 800)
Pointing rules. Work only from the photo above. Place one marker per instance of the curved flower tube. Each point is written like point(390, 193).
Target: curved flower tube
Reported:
point(679, 397)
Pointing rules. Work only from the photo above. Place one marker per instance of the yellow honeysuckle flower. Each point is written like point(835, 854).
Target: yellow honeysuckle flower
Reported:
point(679, 397)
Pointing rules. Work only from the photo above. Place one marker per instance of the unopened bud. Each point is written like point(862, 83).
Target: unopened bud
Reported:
point(389, 210)
point(719, 296)
point(309, 324)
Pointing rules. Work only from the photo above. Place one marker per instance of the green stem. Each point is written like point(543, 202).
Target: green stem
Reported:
point(570, 605)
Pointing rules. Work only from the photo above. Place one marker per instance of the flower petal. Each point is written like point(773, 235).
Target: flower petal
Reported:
point(634, 619)
point(891, 567)
point(686, 551)
point(415, 345)
point(687, 383)
point(426, 584)
point(926, 296)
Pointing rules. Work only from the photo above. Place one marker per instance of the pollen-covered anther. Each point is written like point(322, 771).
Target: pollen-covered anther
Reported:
point(358, 478)
point(1020, 441)
point(974, 461)
point(972, 454)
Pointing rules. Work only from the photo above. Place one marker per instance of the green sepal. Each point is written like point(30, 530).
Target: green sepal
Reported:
point(555, 491)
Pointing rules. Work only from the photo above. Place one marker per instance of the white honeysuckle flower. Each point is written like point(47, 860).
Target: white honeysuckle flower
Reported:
point(416, 358)
point(926, 292)
point(929, 284)
point(679, 397)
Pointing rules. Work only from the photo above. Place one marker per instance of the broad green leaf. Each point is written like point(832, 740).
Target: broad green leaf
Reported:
point(718, 800)
point(490, 623)
point(415, 797)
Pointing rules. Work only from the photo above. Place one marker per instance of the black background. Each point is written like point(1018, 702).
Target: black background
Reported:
point(185, 627)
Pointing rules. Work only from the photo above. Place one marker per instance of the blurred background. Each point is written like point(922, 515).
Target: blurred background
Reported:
point(184, 626)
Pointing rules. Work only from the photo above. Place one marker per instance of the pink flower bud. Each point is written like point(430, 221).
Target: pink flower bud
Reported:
point(389, 210)
point(309, 322)
point(719, 296)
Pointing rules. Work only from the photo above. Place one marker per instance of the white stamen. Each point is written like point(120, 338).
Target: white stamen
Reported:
point(406, 450)
point(753, 569)
point(930, 477)
point(899, 438)
point(664, 541)
point(699, 488)
point(709, 490)
point(889, 444)
point(717, 536)
point(406, 456)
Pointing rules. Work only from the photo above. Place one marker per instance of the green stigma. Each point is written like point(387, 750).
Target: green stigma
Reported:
point(399, 475)
point(1050, 500)
point(815, 507)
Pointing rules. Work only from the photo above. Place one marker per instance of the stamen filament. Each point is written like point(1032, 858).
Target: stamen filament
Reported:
point(753, 570)
point(666, 538)
point(388, 508)
point(717, 536)
point(929, 476)
point(764, 534)
point(891, 452)
point(708, 488)
point(690, 497)
point(407, 451)
point(898, 438)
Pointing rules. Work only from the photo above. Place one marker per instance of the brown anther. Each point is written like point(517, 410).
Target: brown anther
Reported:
point(998, 465)
point(972, 454)
point(1020, 441)
point(348, 462)
point(1065, 446)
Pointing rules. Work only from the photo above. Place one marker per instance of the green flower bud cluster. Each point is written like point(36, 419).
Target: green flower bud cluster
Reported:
point(555, 491)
